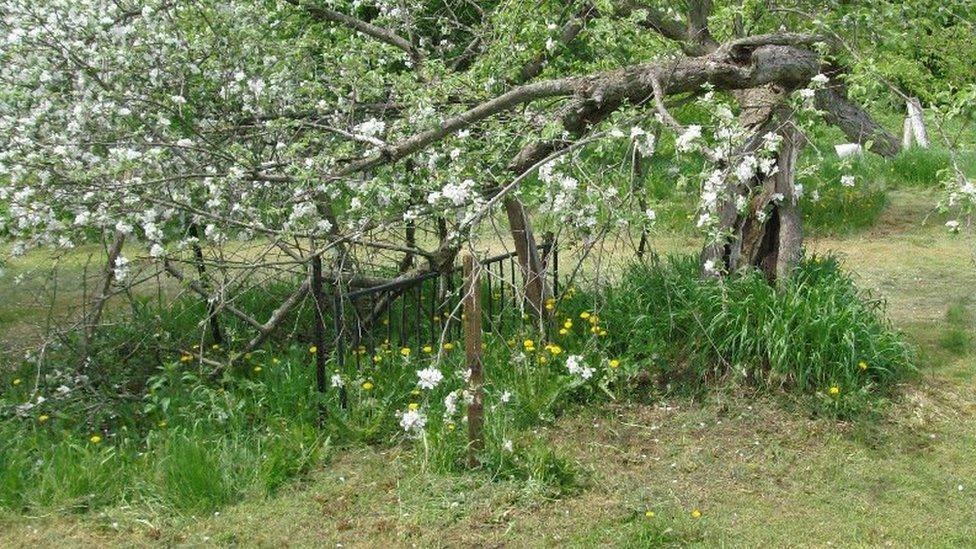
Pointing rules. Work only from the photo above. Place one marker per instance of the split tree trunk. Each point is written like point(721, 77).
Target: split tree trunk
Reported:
point(768, 234)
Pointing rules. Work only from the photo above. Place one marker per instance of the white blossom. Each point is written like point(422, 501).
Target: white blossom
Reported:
point(576, 367)
point(413, 421)
point(429, 377)
point(685, 141)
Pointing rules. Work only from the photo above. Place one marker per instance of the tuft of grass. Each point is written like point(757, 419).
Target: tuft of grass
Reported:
point(957, 337)
point(818, 334)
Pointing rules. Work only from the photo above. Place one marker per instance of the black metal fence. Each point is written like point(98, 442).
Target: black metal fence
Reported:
point(425, 311)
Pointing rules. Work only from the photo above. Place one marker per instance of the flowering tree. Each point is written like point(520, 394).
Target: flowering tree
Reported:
point(339, 129)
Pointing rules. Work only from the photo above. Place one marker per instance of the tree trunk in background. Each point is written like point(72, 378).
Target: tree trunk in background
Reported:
point(533, 273)
point(915, 126)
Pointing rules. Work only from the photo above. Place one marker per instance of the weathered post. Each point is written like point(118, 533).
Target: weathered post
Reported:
point(215, 331)
point(472, 348)
point(319, 337)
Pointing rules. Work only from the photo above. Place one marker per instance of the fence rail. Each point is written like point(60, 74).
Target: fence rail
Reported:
point(425, 310)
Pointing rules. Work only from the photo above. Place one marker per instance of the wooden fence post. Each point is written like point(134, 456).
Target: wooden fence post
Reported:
point(472, 348)
point(215, 331)
point(319, 339)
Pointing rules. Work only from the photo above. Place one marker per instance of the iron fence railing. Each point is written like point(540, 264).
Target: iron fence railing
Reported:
point(425, 310)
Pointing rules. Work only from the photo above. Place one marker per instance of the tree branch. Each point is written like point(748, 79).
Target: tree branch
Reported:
point(369, 29)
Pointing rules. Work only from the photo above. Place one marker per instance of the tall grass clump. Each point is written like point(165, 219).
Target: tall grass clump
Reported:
point(817, 333)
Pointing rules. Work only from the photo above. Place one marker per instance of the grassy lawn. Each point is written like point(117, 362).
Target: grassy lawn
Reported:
point(758, 469)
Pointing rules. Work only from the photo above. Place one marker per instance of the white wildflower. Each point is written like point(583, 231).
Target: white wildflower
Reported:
point(413, 420)
point(429, 377)
point(576, 367)
point(337, 381)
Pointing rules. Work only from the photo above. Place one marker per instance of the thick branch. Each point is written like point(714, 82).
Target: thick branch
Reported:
point(856, 124)
point(600, 94)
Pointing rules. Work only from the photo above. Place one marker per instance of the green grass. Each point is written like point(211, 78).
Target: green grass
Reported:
point(957, 337)
point(816, 333)
point(587, 460)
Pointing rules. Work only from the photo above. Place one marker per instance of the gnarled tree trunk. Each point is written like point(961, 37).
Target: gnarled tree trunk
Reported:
point(767, 233)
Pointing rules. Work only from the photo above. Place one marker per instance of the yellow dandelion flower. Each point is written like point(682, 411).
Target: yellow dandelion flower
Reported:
point(543, 359)
point(17, 381)
point(43, 417)
point(405, 351)
point(428, 349)
point(614, 363)
point(215, 347)
point(563, 331)
point(367, 386)
point(247, 356)
point(313, 349)
point(275, 361)
point(649, 513)
point(594, 319)
point(415, 392)
point(584, 315)
point(186, 358)
point(835, 390)
point(695, 514)
point(257, 369)
point(386, 321)
point(413, 406)
point(377, 359)
point(95, 439)
point(603, 333)
point(568, 324)
point(437, 318)
point(528, 343)
point(862, 365)
point(451, 426)
point(448, 346)
point(555, 349)
point(595, 329)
